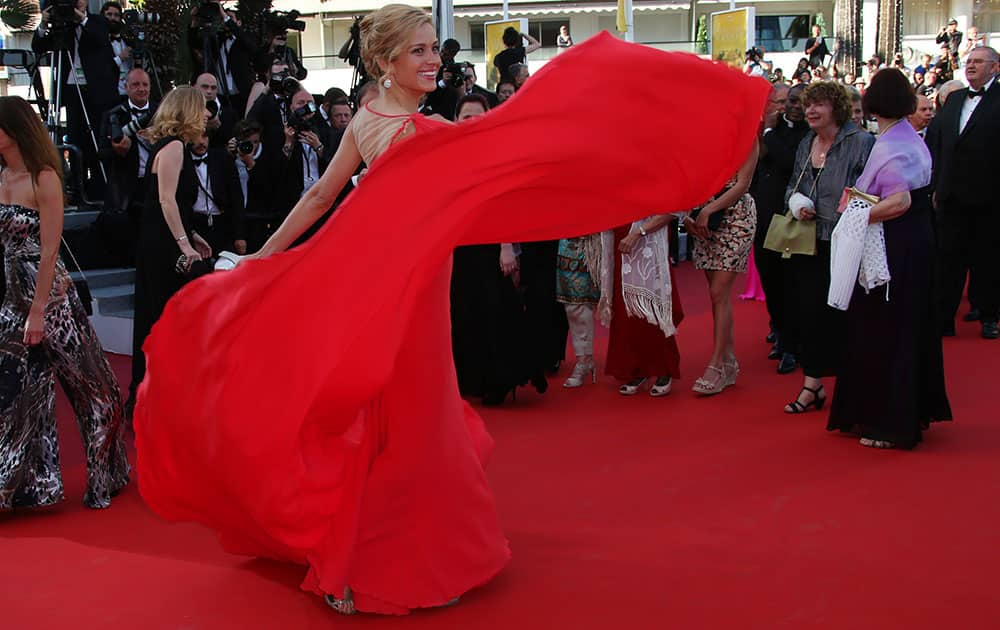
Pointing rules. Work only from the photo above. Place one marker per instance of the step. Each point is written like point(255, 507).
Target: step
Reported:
point(78, 218)
point(117, 297)
point(97, 278)
point(124, 313)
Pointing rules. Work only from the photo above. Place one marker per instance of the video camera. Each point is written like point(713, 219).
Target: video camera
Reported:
point(281, 21)
point(124, 123)
point(298, 120)
point(208, 17)
point(132, 21)
point(62, 23)
point(283, 84)
point(457, 70)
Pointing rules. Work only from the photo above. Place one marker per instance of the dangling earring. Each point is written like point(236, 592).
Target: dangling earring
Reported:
point(387, 83)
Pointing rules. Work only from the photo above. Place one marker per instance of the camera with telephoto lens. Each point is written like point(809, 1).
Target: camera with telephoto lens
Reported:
point(282, 84)
point(457, 70)
point(213, 109)
point(298, 120)
point(125, 123)
point(208, 16)
point(281, 21)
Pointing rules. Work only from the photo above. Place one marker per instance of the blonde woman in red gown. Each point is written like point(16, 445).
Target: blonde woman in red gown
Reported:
point(325, 426)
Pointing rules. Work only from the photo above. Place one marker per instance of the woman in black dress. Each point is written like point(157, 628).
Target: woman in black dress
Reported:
point(170, 253)
point(487, 315)
point(893, 385)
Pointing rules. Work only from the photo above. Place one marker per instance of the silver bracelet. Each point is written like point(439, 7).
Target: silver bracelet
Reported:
point(183, 238)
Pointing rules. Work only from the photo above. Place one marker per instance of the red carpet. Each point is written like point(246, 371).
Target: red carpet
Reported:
point(634, 513)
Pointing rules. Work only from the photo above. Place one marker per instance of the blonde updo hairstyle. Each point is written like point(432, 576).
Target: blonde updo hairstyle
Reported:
point(384, 35)
point(181, 114)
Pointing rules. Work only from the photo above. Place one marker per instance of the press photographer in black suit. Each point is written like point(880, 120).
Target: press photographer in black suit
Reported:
point(271, 108)
point(218, 205)
point(471, 87)
point(222, 116)
point(90, 66)
point(125, 155)
point(963, 140)
point(230, 53)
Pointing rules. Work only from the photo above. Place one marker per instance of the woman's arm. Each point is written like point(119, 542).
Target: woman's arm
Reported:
point(256, 90)
point(318, 200)
point(167, 166)
point(533, 44)
point(48, 194)
point(895, 205)
point(648, 225)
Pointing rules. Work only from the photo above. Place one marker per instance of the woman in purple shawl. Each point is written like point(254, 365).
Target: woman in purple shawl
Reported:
point(893, 386)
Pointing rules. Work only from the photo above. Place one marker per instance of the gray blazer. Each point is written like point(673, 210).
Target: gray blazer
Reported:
point(844, 164)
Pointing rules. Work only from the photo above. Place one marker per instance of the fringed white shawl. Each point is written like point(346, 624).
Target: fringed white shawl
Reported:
point(646, 287)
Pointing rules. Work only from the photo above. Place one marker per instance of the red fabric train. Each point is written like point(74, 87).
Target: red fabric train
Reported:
point(305, 406)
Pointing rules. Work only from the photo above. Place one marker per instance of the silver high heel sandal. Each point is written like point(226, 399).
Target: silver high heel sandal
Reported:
point(632, 387)
point(661, 387)
point(706, 387)
point(732, 370)
point(343, 606)
point(580, 371)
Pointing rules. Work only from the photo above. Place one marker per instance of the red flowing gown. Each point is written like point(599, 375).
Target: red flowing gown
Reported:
point(305, 406)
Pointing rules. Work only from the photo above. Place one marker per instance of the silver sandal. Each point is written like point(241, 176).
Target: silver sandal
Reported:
point(343, 606)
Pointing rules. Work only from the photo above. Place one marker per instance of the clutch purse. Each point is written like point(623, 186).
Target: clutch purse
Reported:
point(714, 220)
point(855, 199)
point(788, 236)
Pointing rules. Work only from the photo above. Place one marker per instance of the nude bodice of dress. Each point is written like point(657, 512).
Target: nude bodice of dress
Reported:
point(375, 132)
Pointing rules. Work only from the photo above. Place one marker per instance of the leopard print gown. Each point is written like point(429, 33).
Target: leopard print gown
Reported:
point(70, 350)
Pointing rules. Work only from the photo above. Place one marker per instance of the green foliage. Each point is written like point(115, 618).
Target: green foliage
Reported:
point(701, 38)
point(19, 14)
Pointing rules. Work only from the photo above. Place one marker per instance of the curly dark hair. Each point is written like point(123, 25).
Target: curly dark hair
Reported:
point(833, 93)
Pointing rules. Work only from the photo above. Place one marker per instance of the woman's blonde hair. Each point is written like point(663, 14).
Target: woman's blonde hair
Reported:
point(384, 34)
point(182, 114)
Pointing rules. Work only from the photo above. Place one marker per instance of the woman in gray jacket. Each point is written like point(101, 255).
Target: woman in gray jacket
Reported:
point(829, 159)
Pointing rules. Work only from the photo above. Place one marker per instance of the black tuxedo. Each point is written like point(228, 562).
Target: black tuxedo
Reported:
point(221, 231)
point(968, 210)
point(491, 97)
point(219, 137)
point(267, 110)
point(441, 101)
point(125, 188)
point(99, 94)
point(290, 182)
point(774, 171)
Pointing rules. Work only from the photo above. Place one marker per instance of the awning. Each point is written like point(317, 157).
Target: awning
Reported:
point(521, 10)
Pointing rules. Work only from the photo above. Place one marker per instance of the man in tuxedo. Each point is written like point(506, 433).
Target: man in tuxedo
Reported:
point(963, 139)
point(88, 65)
point(220, 123)
point(472, 88)
point(784, 128)
point(229, 55)
point(218, 207)
point(922, 117)
point(309, 146)
point(271, 109)
point(126, 161)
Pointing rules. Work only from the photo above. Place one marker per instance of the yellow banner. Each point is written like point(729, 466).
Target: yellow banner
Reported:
point(622, 21)
point(730, 39)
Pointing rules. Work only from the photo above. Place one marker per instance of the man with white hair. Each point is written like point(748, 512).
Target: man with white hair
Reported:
point(963, 140)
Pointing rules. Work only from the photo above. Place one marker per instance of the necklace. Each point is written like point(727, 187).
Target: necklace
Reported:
point(881, 133)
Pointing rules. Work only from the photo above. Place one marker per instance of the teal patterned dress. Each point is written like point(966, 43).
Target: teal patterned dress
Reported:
point(573, 282)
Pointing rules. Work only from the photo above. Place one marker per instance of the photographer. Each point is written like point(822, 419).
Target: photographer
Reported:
point(950, 36)
point(752, 65)
point(88, 65)
point(306, 151)
point(220, 46)
point(112, 12)
point(276, 27)
point(125, 155)
point(816, 48)
point(221, 116)
point(256, 176)
point(270, 109)
point(451, 87)
point(470, 87)
point(218, 205)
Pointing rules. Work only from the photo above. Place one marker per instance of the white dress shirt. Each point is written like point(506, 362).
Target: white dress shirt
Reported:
point(204, 204)
point(970, 105)
point(310, 167)
point(241, 170)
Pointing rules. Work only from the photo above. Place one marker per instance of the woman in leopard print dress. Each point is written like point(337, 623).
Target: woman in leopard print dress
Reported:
point(44, 333)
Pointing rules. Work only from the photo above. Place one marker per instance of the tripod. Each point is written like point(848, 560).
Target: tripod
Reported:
point(61, 60)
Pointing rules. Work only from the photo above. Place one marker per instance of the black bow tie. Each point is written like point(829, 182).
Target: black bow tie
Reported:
point(975, 93)
point(199, 161)
point(138, 112)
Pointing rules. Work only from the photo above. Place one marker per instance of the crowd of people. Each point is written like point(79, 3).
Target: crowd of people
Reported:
point(863, 240)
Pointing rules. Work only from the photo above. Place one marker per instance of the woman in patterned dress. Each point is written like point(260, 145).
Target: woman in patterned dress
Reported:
point(576, 291)
point(722, 254)
point(44, 333)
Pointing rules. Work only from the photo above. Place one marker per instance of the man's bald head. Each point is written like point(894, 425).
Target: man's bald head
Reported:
point(208, 85)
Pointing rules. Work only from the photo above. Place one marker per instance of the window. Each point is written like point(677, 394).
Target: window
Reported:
point(922, 17)
point(546, 32)
point(986, 17)
point(781, 33)
point(477, 36)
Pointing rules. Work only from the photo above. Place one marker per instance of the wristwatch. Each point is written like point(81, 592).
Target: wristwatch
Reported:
point(642, 230)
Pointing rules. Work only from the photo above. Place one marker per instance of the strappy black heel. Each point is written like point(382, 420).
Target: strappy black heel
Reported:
point(817, 402)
